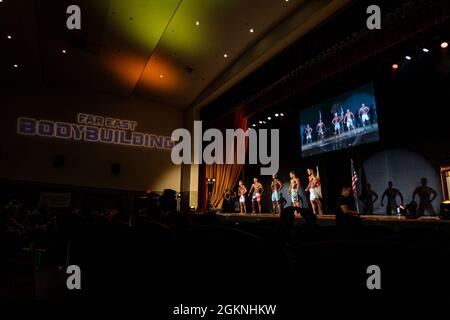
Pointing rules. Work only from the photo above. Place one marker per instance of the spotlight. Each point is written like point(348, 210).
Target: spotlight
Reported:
point(63, 51)
point(16, 66)
point(444, 45)
point(251, 30)
point(425, 50)
point(264, 122)
point(260, 122)
point(214, 180)
point(161, 76)
point(225, 55)
point(269, 118)
point(197, 23)
point(9, 36)
point(281, 114)
point(395, 66)
point(276, 114)
point(253, 125)
point(408, 57)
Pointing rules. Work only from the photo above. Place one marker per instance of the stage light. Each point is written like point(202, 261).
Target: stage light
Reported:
point(260, 122)
point(161, 76)
point(197, 23)
point(281, 114)
point(408, 58)
point(253, 125)
point(225, 55)
point(16, 66)
point(425, 50)
point(63, 51)
point(214, 180)
point(444, 45)
point(269, 118)
point(9, 36)
point(251, 30)
point(276, 114)
point(264, 122)
point(395, 66)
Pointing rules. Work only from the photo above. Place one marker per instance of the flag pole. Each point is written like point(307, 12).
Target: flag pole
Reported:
point(354, 184)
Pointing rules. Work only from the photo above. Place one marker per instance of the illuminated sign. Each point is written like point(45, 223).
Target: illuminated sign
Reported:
point(94, 128)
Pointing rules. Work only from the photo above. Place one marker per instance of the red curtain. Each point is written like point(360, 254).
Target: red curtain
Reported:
point(225, 175)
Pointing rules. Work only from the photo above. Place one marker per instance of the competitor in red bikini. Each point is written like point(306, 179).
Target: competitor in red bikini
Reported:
point(257, 189)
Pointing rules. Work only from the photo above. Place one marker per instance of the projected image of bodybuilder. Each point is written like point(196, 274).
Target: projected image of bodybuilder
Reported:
point(345, 121)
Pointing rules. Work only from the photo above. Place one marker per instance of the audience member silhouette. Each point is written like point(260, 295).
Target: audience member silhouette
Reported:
point(391, 193)
point(425, 192)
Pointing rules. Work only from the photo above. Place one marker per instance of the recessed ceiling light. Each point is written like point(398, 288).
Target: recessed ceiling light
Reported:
point(63, 51)
point(281, 114)
point(197, 23)
point(260, 122)
point(251, 30)
point(9, 36)
point(269, 118)
point(253, 125)
point(407, 57)
point(444, 45)
point(425, 50)
point(16, 66)
point(276, 114)
point(225, 55)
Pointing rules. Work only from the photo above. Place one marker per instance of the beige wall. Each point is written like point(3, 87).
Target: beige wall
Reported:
point(30, 158)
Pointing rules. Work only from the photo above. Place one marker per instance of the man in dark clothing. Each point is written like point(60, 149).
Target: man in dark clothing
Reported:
point(346, 215)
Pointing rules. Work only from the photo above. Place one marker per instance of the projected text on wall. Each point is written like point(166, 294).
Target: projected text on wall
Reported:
point(94, 128)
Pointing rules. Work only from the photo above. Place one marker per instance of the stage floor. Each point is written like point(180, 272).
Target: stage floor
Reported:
point(400, 221)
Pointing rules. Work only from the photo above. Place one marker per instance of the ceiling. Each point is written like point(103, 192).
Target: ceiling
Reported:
point(171, 51)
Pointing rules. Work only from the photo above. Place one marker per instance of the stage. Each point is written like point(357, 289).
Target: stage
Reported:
point(398, 222)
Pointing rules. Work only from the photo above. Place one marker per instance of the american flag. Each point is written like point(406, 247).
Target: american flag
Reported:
point(355, 181)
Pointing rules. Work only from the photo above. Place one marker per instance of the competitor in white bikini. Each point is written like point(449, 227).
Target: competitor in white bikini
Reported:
point(337, 124)
point(364, 114)
point(308, 133)
point(242, 190)
point(321, 129)
point(348, 120)
point(314, 196)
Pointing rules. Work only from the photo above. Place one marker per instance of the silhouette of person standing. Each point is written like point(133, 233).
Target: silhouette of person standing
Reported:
point(425, 193)
point(391, 195)
point(369, 197)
